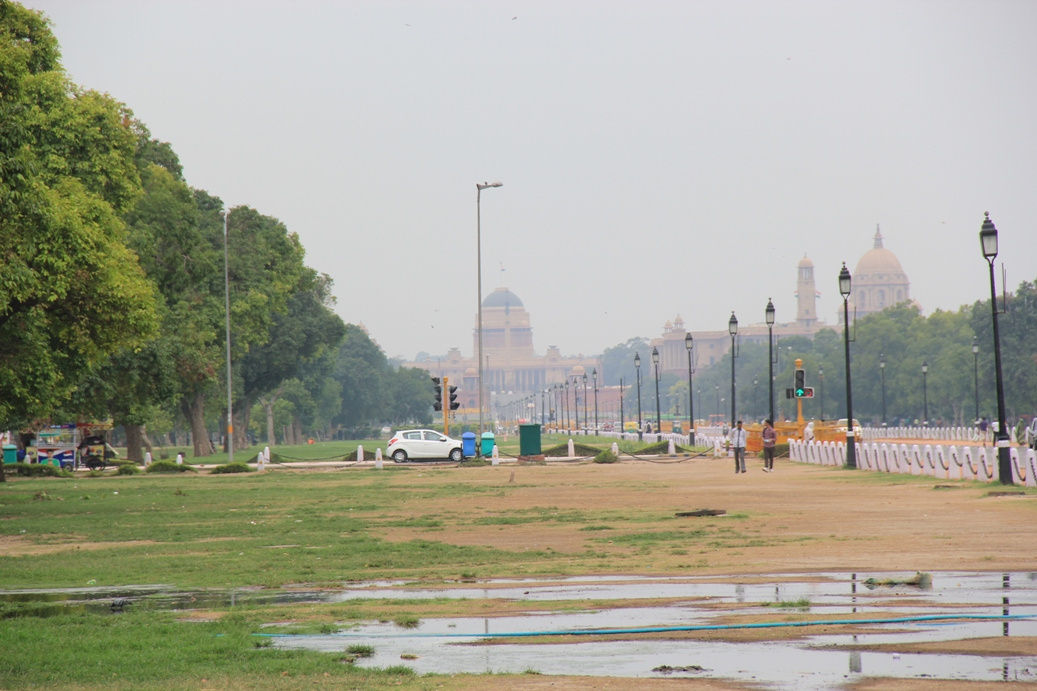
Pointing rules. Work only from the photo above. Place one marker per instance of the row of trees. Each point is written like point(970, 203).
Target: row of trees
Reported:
point(112, 294)
point(900, 336)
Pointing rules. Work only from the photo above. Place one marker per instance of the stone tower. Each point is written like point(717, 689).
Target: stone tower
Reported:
point(806, 294)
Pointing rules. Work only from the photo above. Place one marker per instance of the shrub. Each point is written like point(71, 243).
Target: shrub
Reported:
point(127, 469)
point(36, 470)
point(661, 447)
point(236, 467)
point(170, 467)
point(606, 456)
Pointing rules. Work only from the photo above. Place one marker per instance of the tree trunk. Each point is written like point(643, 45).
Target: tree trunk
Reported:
point(194, 411)
point(268, 406)
point(242, 418)
point(134, 443)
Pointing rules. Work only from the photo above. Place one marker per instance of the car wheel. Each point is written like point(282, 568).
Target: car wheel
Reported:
point(456, 455)
point(400, 456)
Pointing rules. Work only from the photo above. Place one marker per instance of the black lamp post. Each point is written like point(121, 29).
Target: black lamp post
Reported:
point(594, 375)
point(658, 412)
point(567, 404)
point(975, 371)
point(732, 328)
point(988, 240)
point(576, 401)
point(586, 418)
point(769, 312)
point(925, 394)
point(543, 411)
point(821, 380)
point(688, 343)
point(622, 413)
point(851, 442)
point(882, 371)
point(637, 368)
point(755, 382)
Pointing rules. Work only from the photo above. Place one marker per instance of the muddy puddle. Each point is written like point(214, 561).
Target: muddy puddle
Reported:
point(954, 606)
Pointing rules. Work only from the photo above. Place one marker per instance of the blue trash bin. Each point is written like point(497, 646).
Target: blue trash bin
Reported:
point(468, 444)
point(487, 443)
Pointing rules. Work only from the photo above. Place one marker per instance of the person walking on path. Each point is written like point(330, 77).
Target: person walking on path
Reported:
point(738, 436)
point(983, 429)
point(770, 436)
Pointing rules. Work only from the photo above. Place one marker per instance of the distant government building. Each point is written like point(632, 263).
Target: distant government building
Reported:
point(513, 368)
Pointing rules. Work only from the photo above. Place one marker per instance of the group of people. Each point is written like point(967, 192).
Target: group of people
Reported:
point(738, 436)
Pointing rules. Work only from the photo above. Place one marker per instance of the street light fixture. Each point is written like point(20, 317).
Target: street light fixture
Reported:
point(882, 370)
point(658, 413)
point(622, 413)
point(688, 344)
point(851, 442)
point(576, 401)
point(988, 240)
point(637, 368)
point(821, 379)
point(975, 371)
point(586, 420)
point(479, 187)
point(567, 426)
point(769, 312)
point(732, 328)
point(594, 375)
point(925, 394)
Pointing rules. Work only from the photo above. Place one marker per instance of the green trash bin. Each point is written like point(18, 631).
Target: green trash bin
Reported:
point(10, 453)
point(487, 444)
point(529, 440)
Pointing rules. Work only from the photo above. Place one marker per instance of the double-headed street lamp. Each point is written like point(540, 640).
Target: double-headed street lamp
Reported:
point(925, 394)
point(732, 328)
point(851, 442)
point(479, 187)
point(988, 241)
point(658, 412)
point(637, 368)
point(688, 343)
point(769, 313)
point(975, 371)
point(882, 371)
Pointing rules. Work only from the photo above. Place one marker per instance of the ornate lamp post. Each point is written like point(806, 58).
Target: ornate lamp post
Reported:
point(658, 412)
point(882, 370)
point(576, 401)
point(567, 427)
point(821, 378)
point(594, 375)
point(637, 368)
point(988, 240)
point(479, 187)
point(769, 313)
point(688, 343)
point(851, 442)
point(975, 371)
point(586, 421)
point(925, 394)
point(732, 328)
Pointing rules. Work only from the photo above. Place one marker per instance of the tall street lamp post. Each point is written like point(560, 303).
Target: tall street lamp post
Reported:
point(851, 442)
point(637, 368)
point(688, 343)
point(576, 401)
point(594, 375)
point(821, 379)
point(567, 404)
point(658, 411)
point(755, 382)
point(732, 328)
point(975, 371)
point(586, 420)
point(988, 240)
point(925, 394)
point(479, 187)
point(622, 417)
point(226, 297)
point(882, 371)
point(769, 312)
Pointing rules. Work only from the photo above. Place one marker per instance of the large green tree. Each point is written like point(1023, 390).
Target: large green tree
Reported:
point(71, 292)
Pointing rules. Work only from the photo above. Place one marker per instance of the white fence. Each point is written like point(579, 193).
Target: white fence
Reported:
point(938, 460)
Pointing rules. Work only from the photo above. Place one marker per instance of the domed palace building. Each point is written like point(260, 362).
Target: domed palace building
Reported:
point(879, 281)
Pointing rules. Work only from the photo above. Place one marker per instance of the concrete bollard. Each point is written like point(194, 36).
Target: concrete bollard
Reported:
point(360, 453)
point(147, 459)
point(671, 449)
point(572, 449)
point(494, 456)
point(378, 454)
point(179, 459)
point(615, 449)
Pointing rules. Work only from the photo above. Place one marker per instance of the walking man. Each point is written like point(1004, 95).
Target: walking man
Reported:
point(738, 442)
point(770, 436)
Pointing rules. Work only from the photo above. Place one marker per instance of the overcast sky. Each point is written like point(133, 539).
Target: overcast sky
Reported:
point(658, 158)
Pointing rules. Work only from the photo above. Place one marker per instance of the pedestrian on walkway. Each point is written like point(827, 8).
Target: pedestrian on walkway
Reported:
point(770, 437)
point(738, 436)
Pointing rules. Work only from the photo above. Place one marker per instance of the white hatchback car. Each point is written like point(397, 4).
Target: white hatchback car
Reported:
point(423, 443)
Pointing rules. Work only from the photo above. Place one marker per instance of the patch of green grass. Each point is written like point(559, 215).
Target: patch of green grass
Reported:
point(802, 603)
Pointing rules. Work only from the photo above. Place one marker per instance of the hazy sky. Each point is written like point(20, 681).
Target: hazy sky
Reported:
point(658, 158)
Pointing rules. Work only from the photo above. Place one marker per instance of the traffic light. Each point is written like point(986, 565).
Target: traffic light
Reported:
point(801, 383)
point(437, 403)
point(807, 392)
point(452, 392)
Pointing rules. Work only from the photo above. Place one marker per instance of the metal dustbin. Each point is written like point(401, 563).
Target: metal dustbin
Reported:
point(487, 444)
point(529, 440)
point(468, 444)
point(10, 453)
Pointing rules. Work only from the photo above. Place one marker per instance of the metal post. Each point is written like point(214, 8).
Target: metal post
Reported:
point(851, 442)
point(975, 370)
point(988, 239)
point(732, 327)
point(688, 342)
point(882, 370)
point(478, 262)
point(226, 297)
point(769, 313)
point(925, 393)
point(658, 412)
point(594, 373)
point(637, 368)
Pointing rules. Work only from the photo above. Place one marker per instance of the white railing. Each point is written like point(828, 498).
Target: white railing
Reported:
point(947, 462)
point(964, 433)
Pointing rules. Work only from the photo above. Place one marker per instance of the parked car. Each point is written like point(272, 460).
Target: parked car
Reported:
point(421, 444)
point(840, 427)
